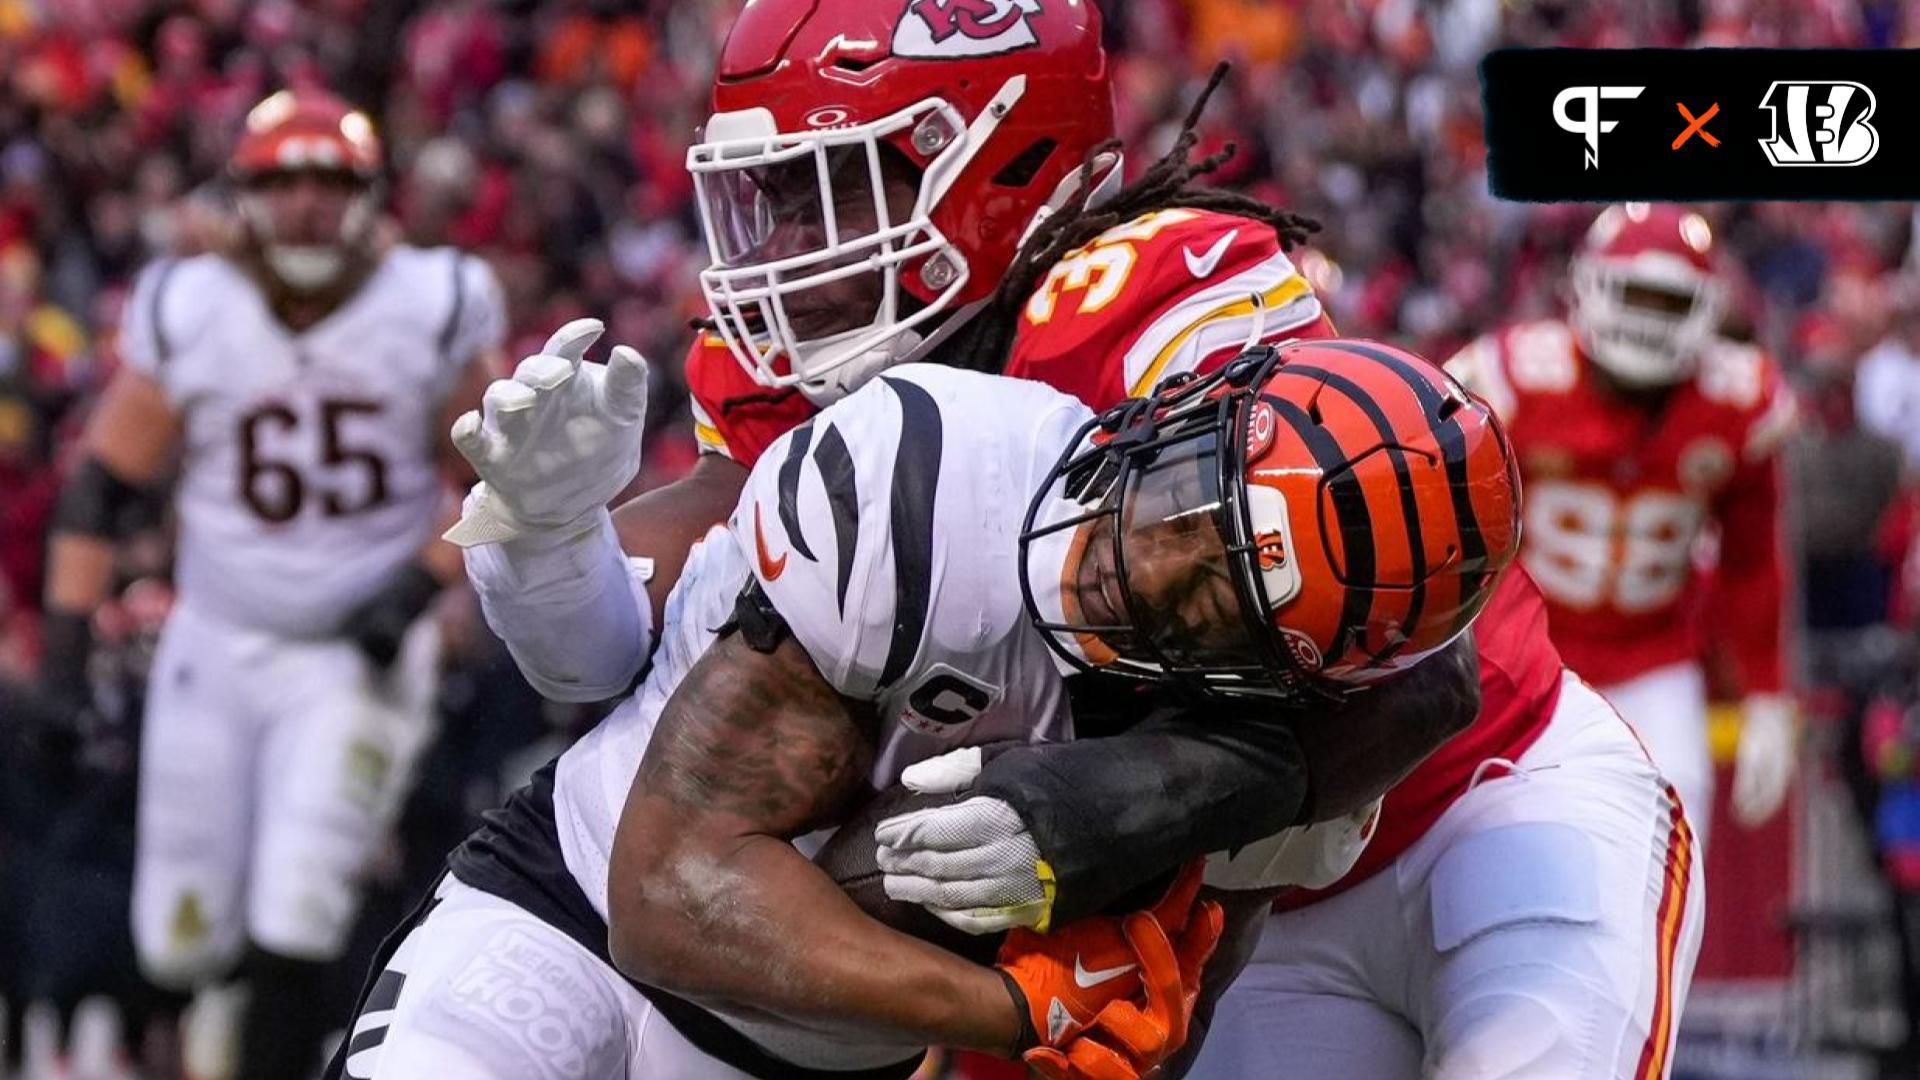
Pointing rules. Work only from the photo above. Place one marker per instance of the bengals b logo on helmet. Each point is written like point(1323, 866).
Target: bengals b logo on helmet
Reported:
point(1404, 497)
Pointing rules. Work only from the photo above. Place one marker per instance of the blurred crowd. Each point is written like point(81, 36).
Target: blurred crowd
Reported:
point(550, 137)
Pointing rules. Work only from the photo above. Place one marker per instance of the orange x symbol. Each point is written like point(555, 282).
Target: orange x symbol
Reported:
point(1697, 125)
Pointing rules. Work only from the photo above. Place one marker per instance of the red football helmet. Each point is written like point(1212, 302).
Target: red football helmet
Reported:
point(297, 132)
point(873, 165)
point(1645, 296)
point(1306, 520)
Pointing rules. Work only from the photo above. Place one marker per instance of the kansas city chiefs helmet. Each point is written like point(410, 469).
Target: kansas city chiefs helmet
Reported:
point(1646, 299)
point(871, 167)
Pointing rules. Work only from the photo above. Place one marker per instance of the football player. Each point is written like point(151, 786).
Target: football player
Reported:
point(884, 592)
point(1640, 430)
point(1114, 288)
point(298, 381)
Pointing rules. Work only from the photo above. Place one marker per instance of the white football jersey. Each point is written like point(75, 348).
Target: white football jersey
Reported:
point(886, 533)
point(308, 475)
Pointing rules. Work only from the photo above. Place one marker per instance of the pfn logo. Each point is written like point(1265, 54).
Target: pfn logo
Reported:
point(1825, 124)
point(1589, 125)
point(941, 29)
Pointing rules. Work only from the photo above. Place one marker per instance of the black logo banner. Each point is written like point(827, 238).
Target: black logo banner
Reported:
point(1689, 125)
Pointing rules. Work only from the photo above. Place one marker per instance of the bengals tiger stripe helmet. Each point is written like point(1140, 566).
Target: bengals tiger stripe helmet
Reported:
point(1306, 520)
point(302, 132)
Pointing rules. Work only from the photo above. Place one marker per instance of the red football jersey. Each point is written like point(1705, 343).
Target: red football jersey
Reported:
point(1166, 293)
point(1622, 503)
point(732, 413)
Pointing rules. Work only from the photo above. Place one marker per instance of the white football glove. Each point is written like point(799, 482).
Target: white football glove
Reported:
point(1763, 764)
point(973, 864)
point(556, 442)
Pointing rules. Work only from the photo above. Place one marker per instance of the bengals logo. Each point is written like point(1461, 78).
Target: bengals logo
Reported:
point(947, 29)
point(1272, 550)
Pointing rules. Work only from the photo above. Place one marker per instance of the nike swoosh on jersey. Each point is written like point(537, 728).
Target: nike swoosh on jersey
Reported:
point(1086, 980)
point(1202, 266)
point(770, 568)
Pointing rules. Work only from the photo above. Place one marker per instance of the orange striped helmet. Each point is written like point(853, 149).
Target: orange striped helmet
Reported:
point(306, 131)
point(1306, 520)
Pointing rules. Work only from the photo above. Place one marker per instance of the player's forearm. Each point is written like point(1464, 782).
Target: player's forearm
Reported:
point(79, 572)
point(1356, 754)
point(754, 925)
point(571, 608)
point(1194, 779)
point(1174, 788)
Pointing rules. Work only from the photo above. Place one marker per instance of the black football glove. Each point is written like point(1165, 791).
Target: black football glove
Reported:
point(380, 625)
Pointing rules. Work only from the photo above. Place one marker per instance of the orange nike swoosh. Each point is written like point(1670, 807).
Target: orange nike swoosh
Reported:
point(770, 568)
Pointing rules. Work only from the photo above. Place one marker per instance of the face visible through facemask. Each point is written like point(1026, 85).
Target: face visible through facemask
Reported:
point(1168, 581)
point(768, 213)
point(306, 225)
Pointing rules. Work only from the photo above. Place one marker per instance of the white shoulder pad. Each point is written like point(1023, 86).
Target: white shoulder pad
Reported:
point(477, 319)
point(166, 310)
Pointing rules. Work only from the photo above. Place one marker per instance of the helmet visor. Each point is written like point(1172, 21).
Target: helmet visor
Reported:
point(808, 200)
point(1173, 562)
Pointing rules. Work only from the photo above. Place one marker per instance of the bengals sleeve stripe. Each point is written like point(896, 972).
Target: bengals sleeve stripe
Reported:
point(1356, 609)
point(837, 473)
point(790, 489)
point(1409, 508)
point(1473, 543)
point(916, 479)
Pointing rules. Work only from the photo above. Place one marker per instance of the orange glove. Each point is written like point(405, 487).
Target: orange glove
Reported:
point(1126, 1041)
point(1093, 972)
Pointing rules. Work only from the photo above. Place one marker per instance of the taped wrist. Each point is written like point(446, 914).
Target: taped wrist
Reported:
point(1184, 782)
point(572, 609)
point(95, 502)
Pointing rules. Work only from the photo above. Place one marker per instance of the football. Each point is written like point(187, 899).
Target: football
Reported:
point(848, 858)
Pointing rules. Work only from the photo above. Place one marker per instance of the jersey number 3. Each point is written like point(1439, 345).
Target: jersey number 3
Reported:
point(276, 490)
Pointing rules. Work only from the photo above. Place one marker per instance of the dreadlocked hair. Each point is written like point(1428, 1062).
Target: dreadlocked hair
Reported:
point(1168, 183)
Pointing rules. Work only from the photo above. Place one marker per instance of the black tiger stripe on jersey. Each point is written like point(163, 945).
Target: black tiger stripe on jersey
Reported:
point(1453, 455)
point(916, 479)
point(1351, 500)
point(843, 498)
point(797, 446)
point(452, 327)
point(162, 343)
point(1409, 506)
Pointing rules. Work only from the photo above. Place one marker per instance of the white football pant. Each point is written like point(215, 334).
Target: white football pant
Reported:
point(1668, 710)
point(483, 990)
point(270, 772)
point(1545, 927)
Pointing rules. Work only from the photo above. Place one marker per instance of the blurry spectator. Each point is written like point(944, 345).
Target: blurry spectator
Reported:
point(1887, 392)
point(1846, 573)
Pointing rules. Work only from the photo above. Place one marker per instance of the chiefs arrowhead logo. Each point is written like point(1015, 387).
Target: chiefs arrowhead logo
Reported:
point(944, 29)
point(770, 568)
